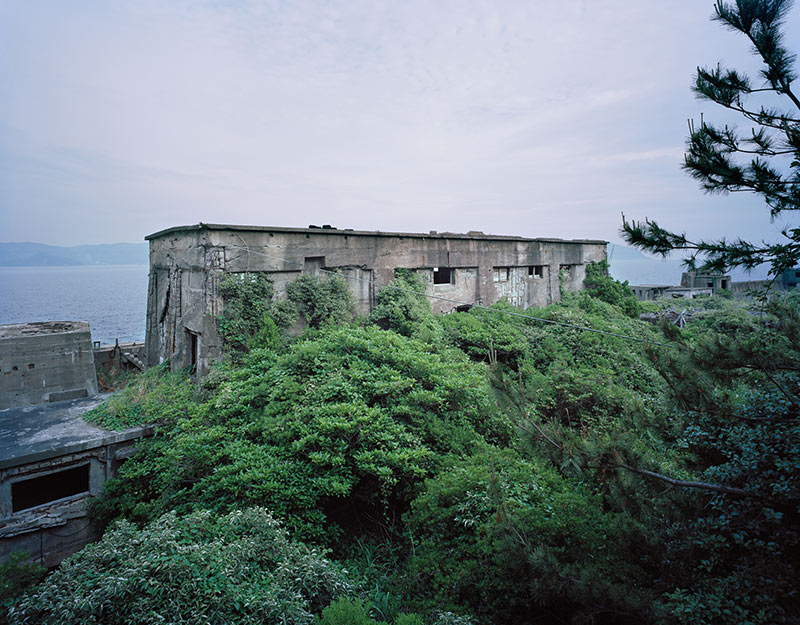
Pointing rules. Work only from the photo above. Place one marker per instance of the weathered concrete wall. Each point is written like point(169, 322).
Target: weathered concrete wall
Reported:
point(45, 362)
point(187, 264)
point(108, 358)
point(41, 511)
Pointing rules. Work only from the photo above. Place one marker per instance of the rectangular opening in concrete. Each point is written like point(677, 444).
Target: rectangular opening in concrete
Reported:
point(501, 274)
point(193, 341)
point(443, 275)
point(40, 490)
point(536, 271)
point(314, 265)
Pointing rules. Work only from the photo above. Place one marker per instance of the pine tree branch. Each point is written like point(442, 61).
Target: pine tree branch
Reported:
point(718, 488)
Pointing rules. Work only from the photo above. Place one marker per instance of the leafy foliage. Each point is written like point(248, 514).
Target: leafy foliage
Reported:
point(512, 540)
point(247, 298)
point(322, 301)
point(602, 286)
point(515, 467)
point(239, 568)
point(156, 395)
point(403, 308)
point(17, 573)
point(341, 427)
point(742, 429)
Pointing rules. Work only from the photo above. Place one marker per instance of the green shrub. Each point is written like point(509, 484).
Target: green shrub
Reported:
point(322, 301)
point(156, 396)
point(337, 432)
point(514, 542)
point(487, 335)
point(17, 574)
point(345, 611)
point(403, 308)
point(238, 569)
point(247, 298)
point(602, 286)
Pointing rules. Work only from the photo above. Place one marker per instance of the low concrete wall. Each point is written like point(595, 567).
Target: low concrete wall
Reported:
point(108, 357)
point(741, 288)
point(45, 362)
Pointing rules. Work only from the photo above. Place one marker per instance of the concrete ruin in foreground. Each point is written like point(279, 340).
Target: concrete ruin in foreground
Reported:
point(51, 463)
point(188, 262)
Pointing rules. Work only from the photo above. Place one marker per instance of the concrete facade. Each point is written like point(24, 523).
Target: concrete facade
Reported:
point(650, 292)
point(45, 362)
point(187, 263)
point(713, 281)
point(51, 462)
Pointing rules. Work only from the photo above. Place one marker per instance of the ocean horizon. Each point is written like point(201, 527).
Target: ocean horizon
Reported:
point(112, 298)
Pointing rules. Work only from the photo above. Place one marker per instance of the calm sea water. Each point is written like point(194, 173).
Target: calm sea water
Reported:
point(112, 298)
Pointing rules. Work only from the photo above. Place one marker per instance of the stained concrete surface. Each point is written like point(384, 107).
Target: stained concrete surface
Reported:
point(43, 431)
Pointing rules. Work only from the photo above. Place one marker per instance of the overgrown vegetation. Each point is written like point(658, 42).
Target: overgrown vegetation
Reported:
point(476, 467)
point(17, 574)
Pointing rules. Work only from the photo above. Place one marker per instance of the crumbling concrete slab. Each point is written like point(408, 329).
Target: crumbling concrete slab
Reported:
point(51, 462)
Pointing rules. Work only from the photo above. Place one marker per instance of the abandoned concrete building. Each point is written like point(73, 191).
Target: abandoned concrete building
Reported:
point(45, 362)
point(51, 460)
point(187, 263)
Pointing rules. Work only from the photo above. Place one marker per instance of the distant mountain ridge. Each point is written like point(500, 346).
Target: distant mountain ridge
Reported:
point(41, 255)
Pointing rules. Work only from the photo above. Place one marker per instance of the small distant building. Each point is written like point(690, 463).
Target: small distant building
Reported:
point(790, 279)
point(706, 280)
point(650, 292)
point(188, 262)
point(46, 362)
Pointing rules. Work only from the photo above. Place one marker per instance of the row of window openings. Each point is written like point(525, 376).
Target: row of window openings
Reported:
point(501, 274)
point(446, 275)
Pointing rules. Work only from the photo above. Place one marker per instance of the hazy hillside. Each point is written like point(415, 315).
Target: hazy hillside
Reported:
point(40, 255)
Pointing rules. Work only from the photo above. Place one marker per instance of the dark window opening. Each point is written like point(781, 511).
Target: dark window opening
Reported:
point(724, 284)
point(193, 340)
point(40, 490)
point(536, 271)
point(443, 275)
point(710, 283)
point(463, 308)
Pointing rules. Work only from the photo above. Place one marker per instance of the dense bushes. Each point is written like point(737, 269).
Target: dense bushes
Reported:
point(518, 468)
point(516, 542)
point(239, 568)
point(340, 427)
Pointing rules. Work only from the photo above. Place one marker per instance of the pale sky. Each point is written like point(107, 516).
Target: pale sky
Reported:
point(531, 118)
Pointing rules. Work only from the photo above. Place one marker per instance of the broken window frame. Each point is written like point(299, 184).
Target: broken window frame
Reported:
point(443, 275)
point(501, 274)
point(536, 271)
point(36, 486)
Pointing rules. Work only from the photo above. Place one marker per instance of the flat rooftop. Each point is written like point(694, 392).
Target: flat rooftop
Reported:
point(45, 431)
point(329, 230)
point(36, 328)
